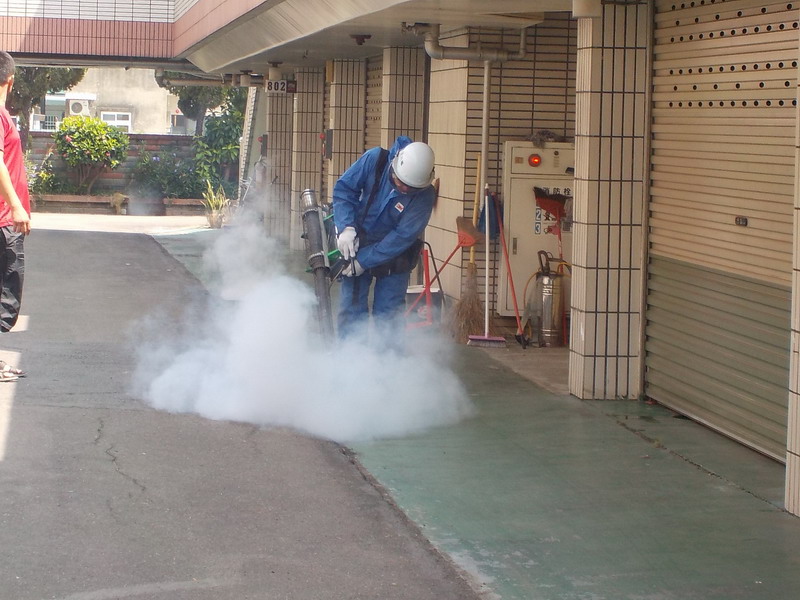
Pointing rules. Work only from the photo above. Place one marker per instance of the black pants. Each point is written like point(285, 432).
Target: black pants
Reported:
point(12, 274)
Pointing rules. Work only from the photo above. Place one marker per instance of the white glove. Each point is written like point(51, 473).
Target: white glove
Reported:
point(347, 242)
point(354, 269)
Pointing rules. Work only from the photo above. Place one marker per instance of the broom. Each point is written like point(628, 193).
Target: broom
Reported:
point(486, 340)
point(468, 313)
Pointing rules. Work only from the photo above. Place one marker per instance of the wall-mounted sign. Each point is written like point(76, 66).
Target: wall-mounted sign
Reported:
point(280, 86)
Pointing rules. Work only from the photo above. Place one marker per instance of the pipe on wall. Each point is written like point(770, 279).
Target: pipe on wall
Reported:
point(435, 50)
point(234, 80)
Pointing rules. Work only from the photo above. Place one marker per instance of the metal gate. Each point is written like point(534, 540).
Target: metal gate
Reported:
point(720, 218)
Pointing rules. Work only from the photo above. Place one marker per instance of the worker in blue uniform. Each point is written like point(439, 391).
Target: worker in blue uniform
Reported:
point(381, 206)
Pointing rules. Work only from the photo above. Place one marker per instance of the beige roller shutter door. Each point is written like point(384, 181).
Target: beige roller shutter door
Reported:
point(372, 127)
point(720, 220)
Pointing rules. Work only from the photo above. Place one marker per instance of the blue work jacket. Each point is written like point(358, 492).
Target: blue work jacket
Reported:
point(394, 220)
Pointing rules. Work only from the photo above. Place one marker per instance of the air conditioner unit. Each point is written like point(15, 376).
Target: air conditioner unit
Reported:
point(79, 107)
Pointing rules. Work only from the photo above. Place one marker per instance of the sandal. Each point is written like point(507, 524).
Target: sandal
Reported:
point(7, 370)
point(6, 376)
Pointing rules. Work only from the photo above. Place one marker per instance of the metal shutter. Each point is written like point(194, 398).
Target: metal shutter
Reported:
point(723, 148)
point(372, 127)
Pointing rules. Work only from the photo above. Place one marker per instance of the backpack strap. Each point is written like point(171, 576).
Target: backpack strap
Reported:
point(383, 157)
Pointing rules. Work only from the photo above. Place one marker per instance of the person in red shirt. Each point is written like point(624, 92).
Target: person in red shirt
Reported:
point(15, 214)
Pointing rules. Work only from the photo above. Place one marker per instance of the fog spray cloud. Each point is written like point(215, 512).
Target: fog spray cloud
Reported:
point(253, 355)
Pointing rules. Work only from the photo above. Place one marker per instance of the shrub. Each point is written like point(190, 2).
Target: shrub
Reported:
point(166, 175)
point(43, 179)
point(90, 146)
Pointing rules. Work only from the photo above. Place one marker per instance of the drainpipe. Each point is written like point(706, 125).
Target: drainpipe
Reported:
point(235, 80)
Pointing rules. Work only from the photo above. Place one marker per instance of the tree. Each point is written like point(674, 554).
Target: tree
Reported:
point(217, 150)
point(31, 84)
point(90, 146)
point(193, 100)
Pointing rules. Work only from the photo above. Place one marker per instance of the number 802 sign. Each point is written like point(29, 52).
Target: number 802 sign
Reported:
point(280, 86)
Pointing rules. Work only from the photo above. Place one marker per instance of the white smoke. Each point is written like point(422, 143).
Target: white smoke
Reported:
point(253, 355)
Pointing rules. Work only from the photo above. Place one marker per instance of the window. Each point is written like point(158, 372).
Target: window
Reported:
point(120, 120)
point(179, 124)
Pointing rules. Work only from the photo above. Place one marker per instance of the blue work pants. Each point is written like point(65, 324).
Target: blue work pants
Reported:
point(387, 304)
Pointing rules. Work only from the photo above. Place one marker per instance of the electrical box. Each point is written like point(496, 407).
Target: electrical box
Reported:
point(525, 167)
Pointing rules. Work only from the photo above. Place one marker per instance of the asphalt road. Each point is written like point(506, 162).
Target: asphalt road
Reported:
point(102, 497)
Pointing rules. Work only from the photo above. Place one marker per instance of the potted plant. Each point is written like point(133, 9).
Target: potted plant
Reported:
point(215, 202)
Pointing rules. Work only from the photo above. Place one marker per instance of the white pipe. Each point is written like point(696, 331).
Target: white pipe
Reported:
point(435, 50)
point(487, 231)
point(487, 74)
point(487, 78)
point(235, 80)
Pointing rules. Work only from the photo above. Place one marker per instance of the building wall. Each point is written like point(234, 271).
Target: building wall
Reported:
point(196, 20)
point(130, 90)
point(279, 109)
point(103, 27)
point(525, 96)
point(347, 115)
point(447, 135)
point(119, 10)
point(129, 28)
point(403, 95)
point(306, 145)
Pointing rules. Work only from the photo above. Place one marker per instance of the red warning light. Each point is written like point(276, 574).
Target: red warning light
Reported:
point(534, 160)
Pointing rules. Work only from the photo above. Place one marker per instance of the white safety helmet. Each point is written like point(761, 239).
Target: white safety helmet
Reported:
point(413, 165)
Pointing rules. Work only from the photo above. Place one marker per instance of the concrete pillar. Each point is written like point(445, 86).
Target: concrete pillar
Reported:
point(610, 200)
point(306, 143)
point(447, 135)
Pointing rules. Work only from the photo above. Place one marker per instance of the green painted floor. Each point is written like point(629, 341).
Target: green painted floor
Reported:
point(542, 496)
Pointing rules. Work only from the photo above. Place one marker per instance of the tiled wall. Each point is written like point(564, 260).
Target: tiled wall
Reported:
point(307, 146)
point(374, 106)
point(136, 28)
point(102, 37)
point(610, 196)
point(118, 10)
point(277, 218)
point(525, 95)
point(347, 112)
point(183, 6)
point(447, 135)
point(403, 101)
